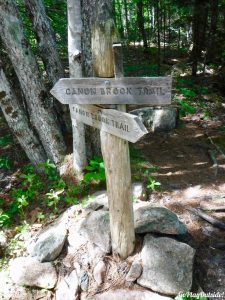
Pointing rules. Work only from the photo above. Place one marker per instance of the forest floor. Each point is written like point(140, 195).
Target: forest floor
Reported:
point(189, 163)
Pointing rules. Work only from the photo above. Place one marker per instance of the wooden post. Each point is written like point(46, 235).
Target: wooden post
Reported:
point(116, 155)
point(74, 51)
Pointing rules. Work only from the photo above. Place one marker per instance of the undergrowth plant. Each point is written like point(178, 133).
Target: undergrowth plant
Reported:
point(48, 190)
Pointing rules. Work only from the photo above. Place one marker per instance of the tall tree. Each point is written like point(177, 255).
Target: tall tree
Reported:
point(18, 122)
point(41, 115)
point(141, 22)
point(199, 29)
point(75, 65)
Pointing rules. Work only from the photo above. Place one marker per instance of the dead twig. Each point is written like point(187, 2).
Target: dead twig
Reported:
point(207, 218)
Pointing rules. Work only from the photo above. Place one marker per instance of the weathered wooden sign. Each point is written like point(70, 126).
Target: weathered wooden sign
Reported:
point(125, 90)
point(121, 124)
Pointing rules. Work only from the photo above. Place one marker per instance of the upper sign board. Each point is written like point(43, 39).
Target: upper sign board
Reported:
point(127, 90)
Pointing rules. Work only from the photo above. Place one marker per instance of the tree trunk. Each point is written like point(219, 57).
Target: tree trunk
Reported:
point(18, 122)
point(158, 37)
point(45, 39)
point(47, 45)
point(75, 64)
point(199, 26)
point(141, 22)
point(126, 19)
point(30, 80)
point(213, 30)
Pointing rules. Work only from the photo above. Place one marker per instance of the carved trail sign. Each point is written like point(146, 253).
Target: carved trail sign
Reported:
point(121, 124)
point(125, 90)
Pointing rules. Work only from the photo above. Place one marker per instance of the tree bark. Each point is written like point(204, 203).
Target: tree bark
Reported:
point(31, 83)
point(141, 22)
point(48, 53)
point(46, 39)
point(75, 64)
point(199, 26)
point(211, 49)
point(18, 122)
point(158, 36)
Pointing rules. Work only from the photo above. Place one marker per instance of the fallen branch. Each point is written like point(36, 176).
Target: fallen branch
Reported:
point(207, 218)
point(214, 160)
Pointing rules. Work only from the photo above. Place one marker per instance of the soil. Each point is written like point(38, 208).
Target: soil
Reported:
point(188, 176)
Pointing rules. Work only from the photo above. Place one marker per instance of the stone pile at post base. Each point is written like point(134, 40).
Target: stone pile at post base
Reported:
point(78, 262)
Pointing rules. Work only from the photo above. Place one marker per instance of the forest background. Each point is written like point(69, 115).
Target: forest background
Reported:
point(156, 35)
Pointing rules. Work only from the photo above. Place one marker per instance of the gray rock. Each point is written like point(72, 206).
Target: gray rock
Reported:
point(134, 272)
point(68, 287)
point(29, 271)
point(49, 244)
point(139, 191)
point(83, 281)
point(124, 294)
point(95, 227)
point(74, 238)
point(95, 253)
point(99, 200)
point(167, 265)
point(99, 272)
point(157, 119)
point(158, 220)
point(3, 242)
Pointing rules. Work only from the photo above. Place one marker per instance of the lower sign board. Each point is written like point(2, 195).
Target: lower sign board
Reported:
point(124, 90)
point(121, 124)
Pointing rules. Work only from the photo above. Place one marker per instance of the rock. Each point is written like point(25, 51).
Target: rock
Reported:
point(99, 272)
point(124, 294)
point(3, 242)
point(68, 287)
point(9, 291)
point(95, 227)
point(29, 271)
point(83, 281)
point(134, 272)
point(95, 253)
point(157, 119)
point(167, 265)
point(74, 238)
point(139, 192)
point(49, 244)
point(157, 219)
point(98, 200)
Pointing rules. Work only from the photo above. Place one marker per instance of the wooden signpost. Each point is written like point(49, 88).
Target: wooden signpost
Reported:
point(117, 127)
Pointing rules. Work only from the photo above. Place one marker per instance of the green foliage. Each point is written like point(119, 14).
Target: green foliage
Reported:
point(152, 184)
point(5, 140)
point(5, 163)
point(185, 108)
point(95, 170)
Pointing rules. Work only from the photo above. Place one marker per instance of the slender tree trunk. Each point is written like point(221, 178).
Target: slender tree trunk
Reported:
point(158, 38)
point(120, 20)
point(48, 53)
point(35, 93)
point(18, 122)
point(46, 40)
point(126, 18)
point(75, 64)
point(213, 30)
point(141, 22)
point(164, 33)
point(199, 26)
